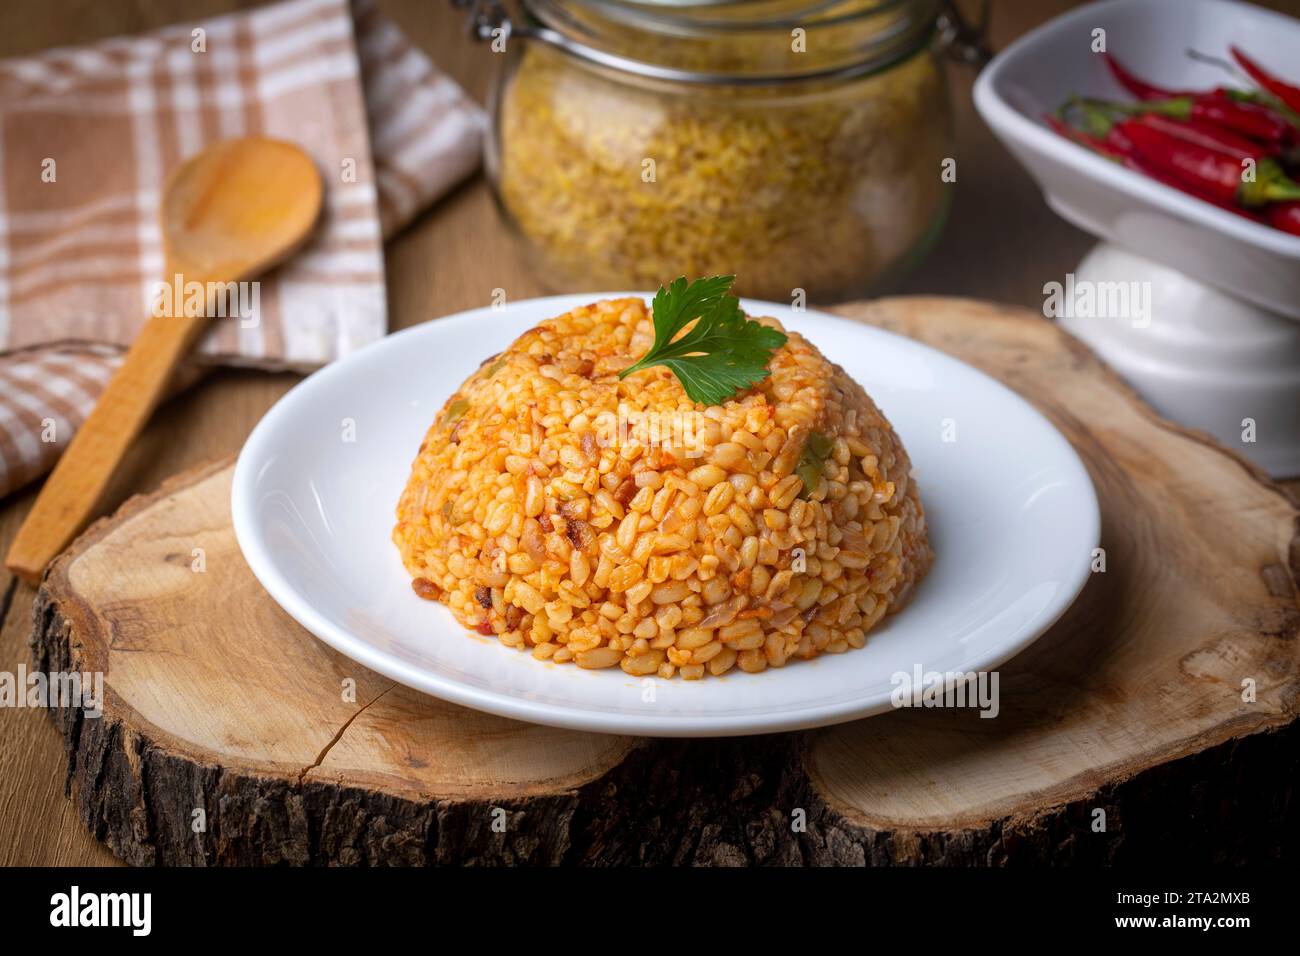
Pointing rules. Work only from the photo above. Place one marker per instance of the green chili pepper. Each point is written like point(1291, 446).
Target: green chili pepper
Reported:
point(815, 451)
point(455, 411)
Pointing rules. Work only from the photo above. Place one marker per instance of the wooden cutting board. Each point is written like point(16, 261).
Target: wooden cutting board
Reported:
point(1126, 733)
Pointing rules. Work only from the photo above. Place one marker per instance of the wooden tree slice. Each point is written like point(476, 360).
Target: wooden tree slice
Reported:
point(1146, 669)
point(217, 701)
point(221, 710)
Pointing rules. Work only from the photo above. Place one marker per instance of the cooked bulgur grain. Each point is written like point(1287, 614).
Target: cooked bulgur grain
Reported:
point(546, 507)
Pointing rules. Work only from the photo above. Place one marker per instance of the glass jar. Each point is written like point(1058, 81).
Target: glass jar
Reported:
point(793, 143)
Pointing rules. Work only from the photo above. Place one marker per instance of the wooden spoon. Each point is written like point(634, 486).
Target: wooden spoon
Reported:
point(228, 214)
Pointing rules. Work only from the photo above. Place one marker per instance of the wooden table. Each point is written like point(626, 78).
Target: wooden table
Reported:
point(451, 259)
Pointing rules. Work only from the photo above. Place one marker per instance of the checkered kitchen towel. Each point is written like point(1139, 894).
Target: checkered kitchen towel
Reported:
point(88, 135)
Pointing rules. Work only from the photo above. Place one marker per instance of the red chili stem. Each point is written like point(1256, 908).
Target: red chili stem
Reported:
point(1080, 137)
point(1286, 92)
point(1220, 62)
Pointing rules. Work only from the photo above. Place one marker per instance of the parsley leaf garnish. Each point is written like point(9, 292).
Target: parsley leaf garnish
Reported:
point(721, 354)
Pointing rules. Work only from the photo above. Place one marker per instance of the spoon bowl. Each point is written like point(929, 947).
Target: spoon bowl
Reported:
point(239, 207)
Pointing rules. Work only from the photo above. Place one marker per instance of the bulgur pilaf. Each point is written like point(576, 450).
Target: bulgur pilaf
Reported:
point(784, 523)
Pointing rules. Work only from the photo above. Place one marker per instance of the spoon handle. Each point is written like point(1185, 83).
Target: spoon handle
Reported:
point(72, 494)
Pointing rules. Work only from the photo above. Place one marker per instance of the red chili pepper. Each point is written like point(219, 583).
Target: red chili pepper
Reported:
point(1284, 91)
point(1210, 171)
point(1285, 216)
point(1152, 152)
point(1117, 147)
point(1250, 119)
point(1138, 86)
point(1204, 133)
point(1173, 182)
point(1271, 105)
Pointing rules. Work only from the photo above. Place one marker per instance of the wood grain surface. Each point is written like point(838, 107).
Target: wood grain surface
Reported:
point(1001, 243)
point(217, 700)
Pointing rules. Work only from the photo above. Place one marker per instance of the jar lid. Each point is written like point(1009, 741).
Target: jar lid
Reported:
point(739, 14)
point(726, 41)
point(769, 39)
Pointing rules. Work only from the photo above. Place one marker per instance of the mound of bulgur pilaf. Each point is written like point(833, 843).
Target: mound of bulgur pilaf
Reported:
point(534, 521)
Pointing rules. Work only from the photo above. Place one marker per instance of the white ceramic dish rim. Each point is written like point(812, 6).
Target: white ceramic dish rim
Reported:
point(1034, 134)
point(813, 714)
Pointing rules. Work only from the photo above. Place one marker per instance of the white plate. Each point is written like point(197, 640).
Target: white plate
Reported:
point(1043, 68)
point(1012, 513)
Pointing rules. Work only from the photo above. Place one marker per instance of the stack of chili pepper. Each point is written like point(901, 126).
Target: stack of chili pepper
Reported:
point(1233, 148)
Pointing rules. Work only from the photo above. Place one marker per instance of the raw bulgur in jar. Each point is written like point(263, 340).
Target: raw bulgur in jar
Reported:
point(822, 184)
